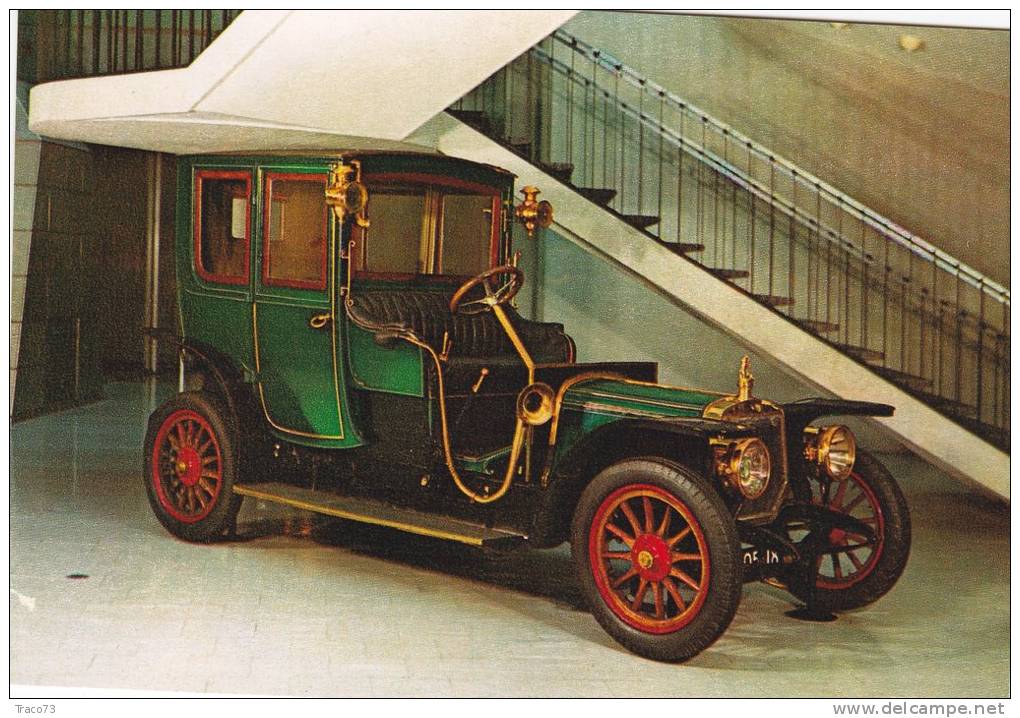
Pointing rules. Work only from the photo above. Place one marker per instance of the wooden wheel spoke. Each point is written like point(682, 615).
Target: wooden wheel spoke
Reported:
point(620, 534)
point(854, 560)
point(204, 483)
point(172, 440)
point(837, 500)
point(660, 608)
point(639, 597)
point(202, 449)
point(677, 573)
point(853, 504)
point(647, 505)
point(674, 557)
point(206, 460)
point(678, 538)
point(631, 518)
point(631, 573)
point(619, 555)
point(664, 525)
point(675, 593)
point(837, 571)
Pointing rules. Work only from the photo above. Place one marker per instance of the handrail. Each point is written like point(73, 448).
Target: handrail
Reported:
point(889, 228)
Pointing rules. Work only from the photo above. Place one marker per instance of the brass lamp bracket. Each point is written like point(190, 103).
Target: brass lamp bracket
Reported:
point(345, 193)
point(532, 213)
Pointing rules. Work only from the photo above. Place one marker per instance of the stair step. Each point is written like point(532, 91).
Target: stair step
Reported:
point(818, 326)
point(521, 148)
point(918, 383)
point(476, 118)
point(729, 273)
point(950, 406)
point(774, 300)
point(560, 170)
point(597, 195)
point(681, 248)
point(862, 353)
point(381, 514)
point(641, 221)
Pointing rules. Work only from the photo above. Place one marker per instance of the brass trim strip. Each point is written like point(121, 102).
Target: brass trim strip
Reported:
point(354, 516)
point(515, 449)
point(609, 410)
point(650, 402)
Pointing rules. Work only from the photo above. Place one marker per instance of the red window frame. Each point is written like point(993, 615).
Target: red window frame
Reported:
point(200, 269)
point(425, 180)
point(320, 283)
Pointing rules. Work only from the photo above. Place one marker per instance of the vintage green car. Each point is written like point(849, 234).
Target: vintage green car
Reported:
point(349, 345)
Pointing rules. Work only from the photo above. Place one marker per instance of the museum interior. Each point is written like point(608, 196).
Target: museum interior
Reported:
point(820, 196)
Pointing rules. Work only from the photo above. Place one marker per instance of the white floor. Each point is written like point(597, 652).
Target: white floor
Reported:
point(306, 606)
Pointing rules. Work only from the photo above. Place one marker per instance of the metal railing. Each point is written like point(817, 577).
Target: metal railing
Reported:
point(86, 43)
point(886, 297)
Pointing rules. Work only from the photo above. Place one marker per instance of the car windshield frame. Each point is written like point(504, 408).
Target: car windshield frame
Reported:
point(435, 188)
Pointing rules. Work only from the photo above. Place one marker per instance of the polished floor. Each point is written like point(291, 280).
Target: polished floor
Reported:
point(102, 597)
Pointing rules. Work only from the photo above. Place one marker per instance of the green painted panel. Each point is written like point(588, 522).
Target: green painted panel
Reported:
point(621, 398)
point(397, 370)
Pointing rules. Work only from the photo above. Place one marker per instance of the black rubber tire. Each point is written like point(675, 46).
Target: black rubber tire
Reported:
point(723, 548)
point(221, 516)
point(895, 545)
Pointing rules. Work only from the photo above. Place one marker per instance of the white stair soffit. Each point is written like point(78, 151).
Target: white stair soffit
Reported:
point(296, 79)
point(922, 429)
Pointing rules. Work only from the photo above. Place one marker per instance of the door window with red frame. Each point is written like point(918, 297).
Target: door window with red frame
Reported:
point(222, 226)
point(294, 238)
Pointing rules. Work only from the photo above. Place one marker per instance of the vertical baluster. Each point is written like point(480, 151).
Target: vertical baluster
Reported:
point(139, 39)
point(922, 342)
point(158, 29)
point(958, 312)
point(80, 64)
point(792, 274)
point(772, 229)
point(887, 269)
point(658, 227)
point(125, 32)
point(752, 203)
point(111, 45)
point(980, 346)
point(97, 38)
point(207, 21)
point(191, 35)
point(641, 145)
point(174, 20)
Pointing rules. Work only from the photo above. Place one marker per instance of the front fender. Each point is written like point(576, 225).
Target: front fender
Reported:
point(680, 439)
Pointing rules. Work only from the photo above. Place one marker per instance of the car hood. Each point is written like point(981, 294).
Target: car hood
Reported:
point(637, 399)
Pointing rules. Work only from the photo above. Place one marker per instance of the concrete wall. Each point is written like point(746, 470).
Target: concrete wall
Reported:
point(920, 137)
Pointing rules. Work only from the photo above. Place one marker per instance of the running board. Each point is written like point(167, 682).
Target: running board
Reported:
point(381, 514)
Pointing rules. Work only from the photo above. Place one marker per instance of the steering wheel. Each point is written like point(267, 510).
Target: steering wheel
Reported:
point(502, 295)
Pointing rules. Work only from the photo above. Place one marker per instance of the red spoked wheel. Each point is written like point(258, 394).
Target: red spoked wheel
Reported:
point(852, 557)
point(187, 466)
point(657, 555)
point(649, 558)
point(191, 466)
point(850, 571)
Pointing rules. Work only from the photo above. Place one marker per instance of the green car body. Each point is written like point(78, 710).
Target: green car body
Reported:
point(341, 335)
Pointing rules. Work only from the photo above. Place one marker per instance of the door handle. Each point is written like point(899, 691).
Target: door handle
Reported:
point(319, 321)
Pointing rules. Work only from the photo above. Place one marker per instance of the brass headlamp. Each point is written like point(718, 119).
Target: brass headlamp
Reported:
point(745, 464)
point(832, 448)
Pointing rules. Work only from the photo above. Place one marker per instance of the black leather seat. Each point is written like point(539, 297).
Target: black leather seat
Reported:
point(474, 338)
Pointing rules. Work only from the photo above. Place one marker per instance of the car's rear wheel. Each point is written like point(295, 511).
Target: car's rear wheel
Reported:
point(657, 555)
point(191, 464)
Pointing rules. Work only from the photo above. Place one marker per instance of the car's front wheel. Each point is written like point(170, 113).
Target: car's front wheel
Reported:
point(657, 555)
point(191, 463)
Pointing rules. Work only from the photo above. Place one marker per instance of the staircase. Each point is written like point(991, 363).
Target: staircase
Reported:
point(883, 297)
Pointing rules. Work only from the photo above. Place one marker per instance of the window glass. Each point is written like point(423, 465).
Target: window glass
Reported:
point(294, 254)
point(467, 234)
point(393, 242)
point(222, 246)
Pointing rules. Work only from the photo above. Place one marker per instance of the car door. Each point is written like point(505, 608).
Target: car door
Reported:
point(294, 312)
